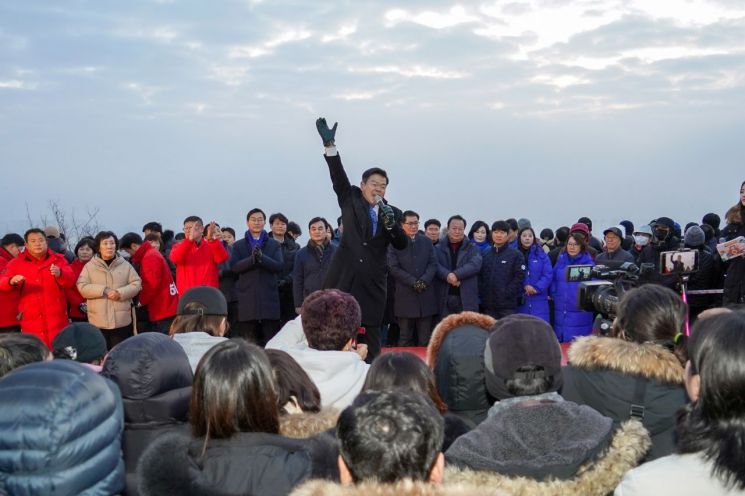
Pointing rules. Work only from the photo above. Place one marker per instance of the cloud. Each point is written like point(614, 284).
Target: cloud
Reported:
point(229, 75)
point(343, 33)
point(143, 91)
point(13, 84)
point(290, 35)
point(455, 16)
point(414, 71)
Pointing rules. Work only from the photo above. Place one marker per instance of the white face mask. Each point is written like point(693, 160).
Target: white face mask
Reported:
point(641, 240)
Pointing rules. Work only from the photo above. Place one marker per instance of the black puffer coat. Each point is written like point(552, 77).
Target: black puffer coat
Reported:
point(60, 429)
point(154, 376)
point(734, 281)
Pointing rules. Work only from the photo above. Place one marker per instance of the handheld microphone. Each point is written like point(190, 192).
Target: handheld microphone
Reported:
point(379, 201)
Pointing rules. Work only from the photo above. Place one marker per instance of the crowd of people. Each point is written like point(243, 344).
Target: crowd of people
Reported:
point(208, 363)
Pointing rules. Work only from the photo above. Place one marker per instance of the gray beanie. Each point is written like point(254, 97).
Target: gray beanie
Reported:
point(695, 237)
point(523, 223)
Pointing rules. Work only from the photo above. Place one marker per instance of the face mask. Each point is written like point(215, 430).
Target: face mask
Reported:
point(660, 234)
point(641, 240)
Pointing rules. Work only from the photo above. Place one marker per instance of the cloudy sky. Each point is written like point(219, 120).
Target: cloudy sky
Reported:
point(547, 109)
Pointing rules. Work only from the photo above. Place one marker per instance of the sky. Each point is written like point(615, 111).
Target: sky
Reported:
point(545, 109)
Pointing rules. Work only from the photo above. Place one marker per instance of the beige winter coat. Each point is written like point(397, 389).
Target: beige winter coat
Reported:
point(121, 276)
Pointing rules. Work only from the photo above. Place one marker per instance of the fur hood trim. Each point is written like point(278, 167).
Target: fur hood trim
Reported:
point(600, 477)
point(450, 323)
point(629, 444)
point(647, 360)
point(303, 425)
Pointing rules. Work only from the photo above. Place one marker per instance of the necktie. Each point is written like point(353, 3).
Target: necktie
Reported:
point(374, 219)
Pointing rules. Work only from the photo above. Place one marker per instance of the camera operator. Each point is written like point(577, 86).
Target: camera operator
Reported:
point(663, 239)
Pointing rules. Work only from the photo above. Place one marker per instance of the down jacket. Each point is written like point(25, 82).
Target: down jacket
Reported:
point(501, 279)
point(97, 276)
point(60, 429)
point(456, 356)
point(154, 377)
point(159, 291)
point(604, 373)
point(74, 298)
point(42, 304)
point(9, 299)
point(539, 274)
point(569, 320)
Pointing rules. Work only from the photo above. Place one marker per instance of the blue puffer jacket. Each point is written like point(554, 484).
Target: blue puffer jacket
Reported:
point(538, 273)
point(60, 431)
point(569, 320)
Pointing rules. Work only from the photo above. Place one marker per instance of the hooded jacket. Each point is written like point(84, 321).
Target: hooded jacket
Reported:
point(154, 377)
point(159, 291)
point(456, 356)
point(604, 373)
point(60, 430)
point(97, 276)
point(42, 304)
point(9, 300)
point(538, 273)
point(569, 320)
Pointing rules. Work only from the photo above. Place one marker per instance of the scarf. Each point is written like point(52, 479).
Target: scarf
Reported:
point(253, 243)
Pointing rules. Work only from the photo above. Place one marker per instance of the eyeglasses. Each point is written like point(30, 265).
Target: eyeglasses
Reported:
point(412, 224)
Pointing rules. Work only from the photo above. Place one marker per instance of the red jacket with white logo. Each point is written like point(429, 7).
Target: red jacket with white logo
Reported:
point(158, 289)
point(42, 305)
point(197, 265)
point(8, 299)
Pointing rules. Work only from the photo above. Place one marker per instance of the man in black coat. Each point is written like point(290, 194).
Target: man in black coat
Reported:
point(370, 225)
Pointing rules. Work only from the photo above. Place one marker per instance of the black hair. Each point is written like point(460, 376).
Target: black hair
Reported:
point(129, 239)
point(512, 223)
point(390, 436)
point(432, 221)
point(294, 228)
point(17, 349)
point(374, 170)
point(456, 217)
point(478, 225)
point(586, 221)
point(105, 235)
point(12, 239)
point(317, 219)
point(714, 425)
point(409, 213)
point(193, 218)
point(86, 241)
point(562, 234)
point(529, 380)
point(628, 226)
point(520, 233)
point(33, 230)
point(709, 232)
point(278, 216)
point(255, 211)
point(292, 381)
point(154, 226)
point(230, 230)
point(338, 221)
point(167, 236)
point(502, 225)
point(547, 233)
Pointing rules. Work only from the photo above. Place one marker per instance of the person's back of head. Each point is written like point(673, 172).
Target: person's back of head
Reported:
point(296, 391)
point(60, 430)
point(18, 349)
point(233, 392)
point(562, 235)
point(331, 318)
point(403, 371)
point(81, 342)
point(714, 423)
point(390, 436)
point(201, 309)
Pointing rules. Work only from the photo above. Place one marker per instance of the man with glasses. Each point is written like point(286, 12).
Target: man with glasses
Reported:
point(458, 266)
point(370, 224)
point(414, 269)
point(613, 253)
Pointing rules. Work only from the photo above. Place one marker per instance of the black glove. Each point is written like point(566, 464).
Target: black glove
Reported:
point(389, 218)
point(327, 135)
point(256, 255)
point(420, 286)
point(83, 307)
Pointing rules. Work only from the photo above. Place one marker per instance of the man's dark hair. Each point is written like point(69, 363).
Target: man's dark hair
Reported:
point(255, 211)
point(501, 225)
point(374, 170)
point(180, 236)
point(167, 236)
point(317, 219)
point(12, 239)
point(282, 217)
point(193, 218)
point(294, 228)
point(33, 230)
point(153, 226)
point(409, 213)
point(562, 234)
point(86, 241)
point(709, 232)
point(129, 239)
point(456, 217)
point(230, 230)
point(387, 437)
point(586, 221)
point(432, 221)
point(17, 349)
point(529, 380)
point(512, 223)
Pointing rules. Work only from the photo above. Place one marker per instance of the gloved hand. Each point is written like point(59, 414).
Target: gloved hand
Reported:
point(327, 135)
point(83, 307)
point(389, 219)
point(420, 286)
point(256, 255)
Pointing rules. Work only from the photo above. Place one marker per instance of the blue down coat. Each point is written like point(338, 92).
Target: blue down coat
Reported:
point(569, 320)
point(60, 431)
point(538, 273)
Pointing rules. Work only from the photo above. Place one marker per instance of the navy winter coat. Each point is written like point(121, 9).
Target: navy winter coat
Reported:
point(60, 431)
point(569, 320)
point(501, 278)
point(258, 297)
point(539, 274)
point(415, 262)
point(467, 267)
point(309, 272)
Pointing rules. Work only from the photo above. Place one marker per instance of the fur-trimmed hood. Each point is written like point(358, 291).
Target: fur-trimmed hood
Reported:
point(647, 360)
point(303, 425)
point(629, 444)
point(448, 324)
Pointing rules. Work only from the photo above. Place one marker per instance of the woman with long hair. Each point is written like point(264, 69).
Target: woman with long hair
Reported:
point(638, 370)
point(711, 429)
point(734, 282)
point(538, 275)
